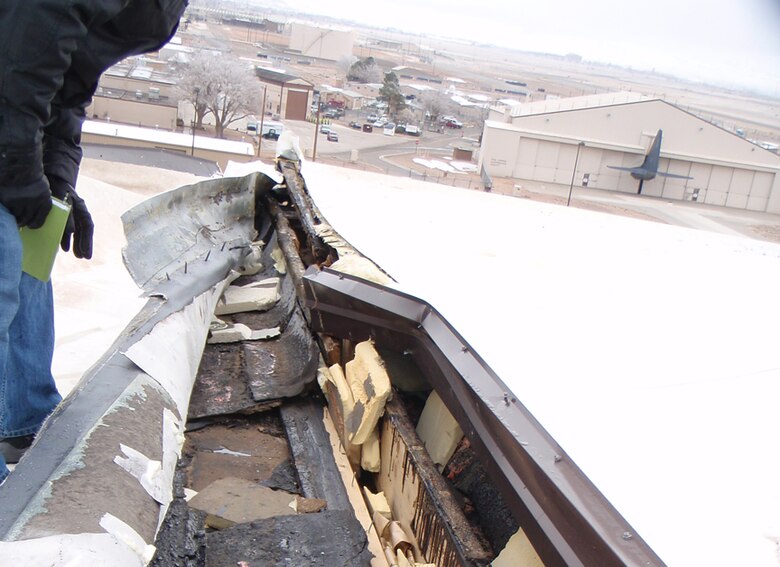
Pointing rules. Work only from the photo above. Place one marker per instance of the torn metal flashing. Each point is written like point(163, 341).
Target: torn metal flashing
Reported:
point(183, 279)
point(566, 518)
point(170, 231)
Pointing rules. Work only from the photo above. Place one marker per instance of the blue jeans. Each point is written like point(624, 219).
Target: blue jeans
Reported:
point(28, 393)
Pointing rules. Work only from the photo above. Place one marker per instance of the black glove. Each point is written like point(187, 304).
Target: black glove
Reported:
point(24, 190)
point(79, 225)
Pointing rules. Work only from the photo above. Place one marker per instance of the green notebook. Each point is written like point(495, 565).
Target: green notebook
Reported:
point(40, 245)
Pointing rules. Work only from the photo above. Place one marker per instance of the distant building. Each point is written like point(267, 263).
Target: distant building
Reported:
point(176, 52)
point(350, 99)
point(137, 91)
point(286, 96)
point(383, 43)
point(539, 142)
point(141, 108)
point(140, 74)
point(322, 43)
point(205, 147)
point(368, 90)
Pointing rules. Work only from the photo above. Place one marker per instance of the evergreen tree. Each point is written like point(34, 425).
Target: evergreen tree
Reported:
point(391, 94)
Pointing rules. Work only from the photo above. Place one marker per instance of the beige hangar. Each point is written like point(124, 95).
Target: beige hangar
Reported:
point(539, 142)
point(323, 43)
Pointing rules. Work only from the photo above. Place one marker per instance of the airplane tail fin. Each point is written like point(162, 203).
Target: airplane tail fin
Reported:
point(654, 154)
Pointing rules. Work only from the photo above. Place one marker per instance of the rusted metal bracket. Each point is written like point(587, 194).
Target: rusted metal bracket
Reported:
point(441, 528)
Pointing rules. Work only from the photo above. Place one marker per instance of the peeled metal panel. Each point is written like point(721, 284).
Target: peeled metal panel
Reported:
point(741, 182)
point(171, 230)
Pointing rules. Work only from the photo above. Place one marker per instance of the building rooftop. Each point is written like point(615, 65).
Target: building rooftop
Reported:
point(572, 103)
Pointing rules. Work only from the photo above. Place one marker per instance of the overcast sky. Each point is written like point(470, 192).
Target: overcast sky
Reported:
point(733, 42)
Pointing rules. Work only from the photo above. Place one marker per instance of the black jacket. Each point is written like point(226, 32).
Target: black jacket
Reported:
point(52, 53)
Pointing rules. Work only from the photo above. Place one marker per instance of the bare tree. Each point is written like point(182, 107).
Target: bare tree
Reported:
point(405, 116)
point(434, 104)
point(191, 82)
point(365, 71)
point(345, 64)
point(223, 87)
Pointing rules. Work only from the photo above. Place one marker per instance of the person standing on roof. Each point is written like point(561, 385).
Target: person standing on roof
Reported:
point(52, 53)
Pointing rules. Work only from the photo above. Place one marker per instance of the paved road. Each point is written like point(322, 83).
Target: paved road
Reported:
point(723, 220)
point(372, 147)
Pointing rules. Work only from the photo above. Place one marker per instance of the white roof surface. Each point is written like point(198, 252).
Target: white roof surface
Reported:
point(117, 130)
point(575, 102)
point(648, 351)
point(95, 299)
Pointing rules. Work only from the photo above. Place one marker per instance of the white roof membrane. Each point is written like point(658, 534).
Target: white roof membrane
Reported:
point(649, 352)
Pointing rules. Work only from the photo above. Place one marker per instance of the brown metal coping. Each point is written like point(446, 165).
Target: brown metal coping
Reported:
point(567, 519)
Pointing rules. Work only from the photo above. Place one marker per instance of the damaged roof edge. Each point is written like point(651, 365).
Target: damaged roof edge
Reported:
point(183, 279)
point(566, 517)
point(171, 230)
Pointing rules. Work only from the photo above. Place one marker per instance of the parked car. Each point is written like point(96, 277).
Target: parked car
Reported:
point(324, 128)
point(368, 127)
point(412, 130)
point(373, 117)
point(355, 125)
point(389, 129)
point(333, 112)
point(333, 136)
point(453, 123)
point(380, 123)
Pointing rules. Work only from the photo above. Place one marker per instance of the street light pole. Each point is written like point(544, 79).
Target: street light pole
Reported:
point(574, 173)
point(194, 116)
point(316, 132)
point(262, 118)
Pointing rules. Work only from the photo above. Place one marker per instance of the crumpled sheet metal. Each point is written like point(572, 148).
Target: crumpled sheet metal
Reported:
point(168, 231)
point(183, 247)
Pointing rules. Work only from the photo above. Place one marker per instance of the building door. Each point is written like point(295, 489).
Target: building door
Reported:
point(296, 105)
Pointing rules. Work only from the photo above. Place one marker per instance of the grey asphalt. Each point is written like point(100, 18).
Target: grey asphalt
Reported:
point(700, 216)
